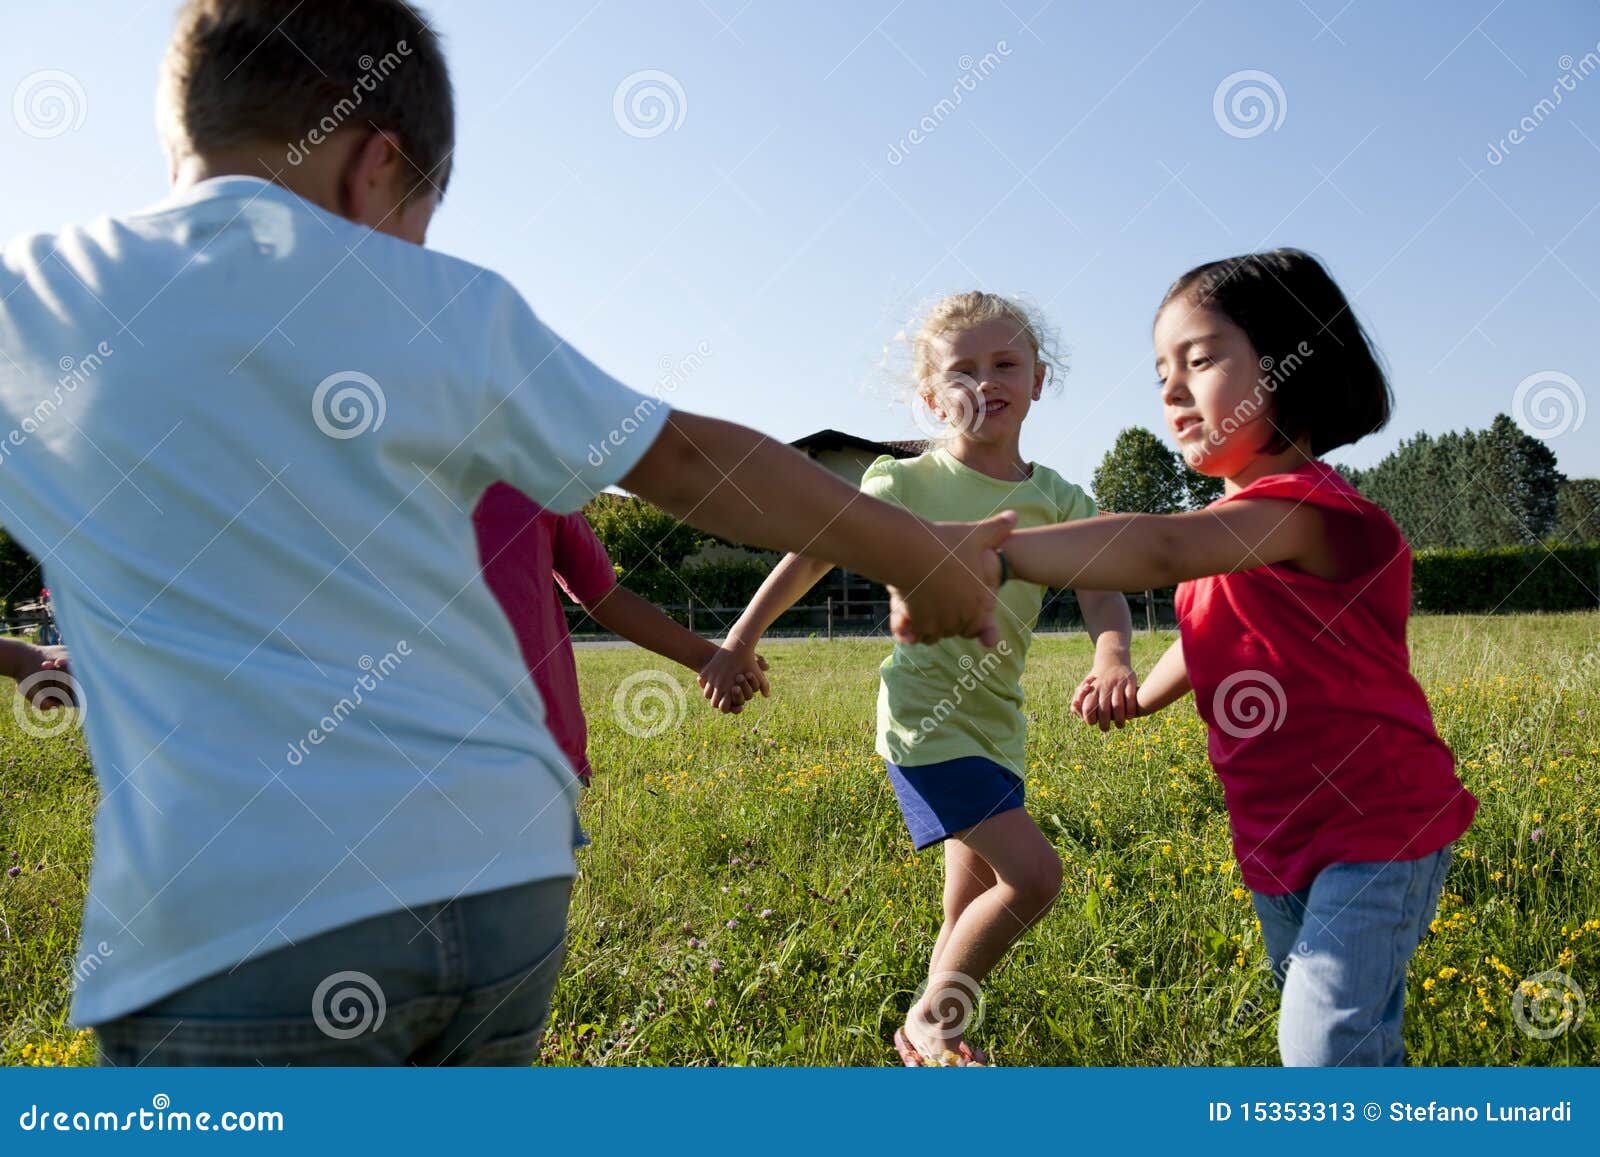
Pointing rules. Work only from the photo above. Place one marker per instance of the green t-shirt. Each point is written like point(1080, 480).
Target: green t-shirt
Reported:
point(957, 698)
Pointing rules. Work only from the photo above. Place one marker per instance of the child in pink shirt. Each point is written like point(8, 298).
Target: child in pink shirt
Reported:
point(522, 547)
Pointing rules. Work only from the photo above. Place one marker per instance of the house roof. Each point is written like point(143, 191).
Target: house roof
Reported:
point(839, 440)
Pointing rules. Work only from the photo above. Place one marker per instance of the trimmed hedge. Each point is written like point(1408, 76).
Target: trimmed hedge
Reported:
point(1512, 578)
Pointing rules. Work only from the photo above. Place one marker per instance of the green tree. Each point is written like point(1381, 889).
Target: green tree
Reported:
point(1578, 511)
point(639, 536)
point(1473, 489)
point(1202, 489)
point(1510, 493)
point(20, 577)
point(1140, 474)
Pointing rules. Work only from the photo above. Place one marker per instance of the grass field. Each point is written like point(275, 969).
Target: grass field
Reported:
point(751, 898)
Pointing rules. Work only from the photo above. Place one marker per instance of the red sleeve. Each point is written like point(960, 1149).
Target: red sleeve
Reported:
point(1364, 534)
point(581, 564)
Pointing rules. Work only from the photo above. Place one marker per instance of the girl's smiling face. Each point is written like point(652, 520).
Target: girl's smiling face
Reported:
point(986, 377)
point(1217, 401)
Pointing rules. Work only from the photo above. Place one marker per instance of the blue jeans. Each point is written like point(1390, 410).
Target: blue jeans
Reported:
point(1340, 949)
point(465, 982)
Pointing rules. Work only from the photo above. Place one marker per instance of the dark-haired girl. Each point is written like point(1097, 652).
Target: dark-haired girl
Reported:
point(1293, 593)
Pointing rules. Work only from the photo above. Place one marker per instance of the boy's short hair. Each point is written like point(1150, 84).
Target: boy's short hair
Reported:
point(1322, 370)
point(242, 71)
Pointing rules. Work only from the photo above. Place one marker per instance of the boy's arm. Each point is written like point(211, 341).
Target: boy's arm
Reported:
point(742, 485)
point(1130, 552)
point(1108, 694)
point(1167, 681)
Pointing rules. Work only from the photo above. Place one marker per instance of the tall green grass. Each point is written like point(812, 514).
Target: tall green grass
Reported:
point(751, 897)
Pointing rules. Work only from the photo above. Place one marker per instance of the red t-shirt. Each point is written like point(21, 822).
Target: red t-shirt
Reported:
point(525, 551)
point(1322, 739)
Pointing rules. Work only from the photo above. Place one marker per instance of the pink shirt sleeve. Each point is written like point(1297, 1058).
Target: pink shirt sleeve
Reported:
point(582, 566)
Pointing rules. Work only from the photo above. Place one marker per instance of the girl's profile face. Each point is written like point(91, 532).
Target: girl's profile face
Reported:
point(1216, 398)
point(985, 379)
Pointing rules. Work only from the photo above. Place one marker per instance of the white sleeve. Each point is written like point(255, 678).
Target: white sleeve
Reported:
point(553, 424)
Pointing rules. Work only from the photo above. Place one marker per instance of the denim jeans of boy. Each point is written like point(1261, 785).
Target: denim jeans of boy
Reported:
point(466, 982)
point(1340, 949)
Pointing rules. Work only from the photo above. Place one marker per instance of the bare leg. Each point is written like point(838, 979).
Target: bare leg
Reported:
point(966, 877)
point(1027, 879)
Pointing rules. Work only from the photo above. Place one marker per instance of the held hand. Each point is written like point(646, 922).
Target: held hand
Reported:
point(46, 673)
point(732, 677)
point(958, 597)
point(1108, 695)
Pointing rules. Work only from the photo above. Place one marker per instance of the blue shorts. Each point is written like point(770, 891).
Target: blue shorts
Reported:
point(937, 800)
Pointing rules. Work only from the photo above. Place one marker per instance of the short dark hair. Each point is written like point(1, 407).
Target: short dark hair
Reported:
point(1287, 304)
point(281, 70)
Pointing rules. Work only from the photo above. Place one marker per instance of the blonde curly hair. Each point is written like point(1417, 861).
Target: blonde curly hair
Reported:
point(956, 312)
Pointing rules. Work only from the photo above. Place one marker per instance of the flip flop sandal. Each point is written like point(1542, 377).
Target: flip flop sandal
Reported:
point(914, 1058)
point(909, 1056)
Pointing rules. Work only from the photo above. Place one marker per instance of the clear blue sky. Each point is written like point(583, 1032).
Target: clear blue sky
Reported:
point(1085, 170)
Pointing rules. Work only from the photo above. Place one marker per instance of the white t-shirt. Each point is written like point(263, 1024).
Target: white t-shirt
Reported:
point(245, 438)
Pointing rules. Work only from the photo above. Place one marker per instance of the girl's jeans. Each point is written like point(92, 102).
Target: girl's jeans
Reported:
point(1339, 950)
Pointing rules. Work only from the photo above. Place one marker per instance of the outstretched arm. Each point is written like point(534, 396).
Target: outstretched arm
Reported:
point(640, 621)
point(1130, 552)
point(1108, 692)
point(745, 486)
point(785, 586)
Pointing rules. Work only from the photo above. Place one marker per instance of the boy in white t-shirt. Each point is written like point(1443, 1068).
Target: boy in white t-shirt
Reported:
point(334, 827)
